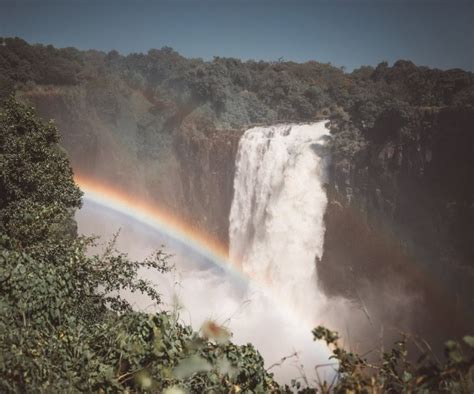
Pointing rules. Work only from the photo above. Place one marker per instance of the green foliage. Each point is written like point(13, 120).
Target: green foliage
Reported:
point(293, 91)
point(21, 62)
point(64, 326)
point(37, 192)
point(395, 372)
point(235, 93)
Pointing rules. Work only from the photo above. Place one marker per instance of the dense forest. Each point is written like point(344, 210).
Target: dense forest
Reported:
point(241, 92)
point(400, 191)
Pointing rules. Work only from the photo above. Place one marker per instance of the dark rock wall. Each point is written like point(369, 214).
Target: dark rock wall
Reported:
point(171, 154)
point(400, 222)
point(207, 165)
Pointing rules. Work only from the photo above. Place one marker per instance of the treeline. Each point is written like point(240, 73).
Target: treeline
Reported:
point(292, 91)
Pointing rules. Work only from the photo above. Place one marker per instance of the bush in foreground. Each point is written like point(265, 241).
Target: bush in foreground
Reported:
point(63, 325)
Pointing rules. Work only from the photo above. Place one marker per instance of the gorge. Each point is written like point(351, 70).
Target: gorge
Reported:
point(399, 217)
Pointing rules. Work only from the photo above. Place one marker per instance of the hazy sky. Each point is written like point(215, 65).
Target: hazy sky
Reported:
point(343, 32)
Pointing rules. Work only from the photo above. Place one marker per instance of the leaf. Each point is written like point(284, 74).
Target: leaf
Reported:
point(174, 390)
point(144, 379)
point(407, 376)
point(469, 340)
point(453, 351)
point(190, 366)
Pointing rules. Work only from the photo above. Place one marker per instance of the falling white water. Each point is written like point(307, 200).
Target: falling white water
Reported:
point(276, 233)
point(277, 216)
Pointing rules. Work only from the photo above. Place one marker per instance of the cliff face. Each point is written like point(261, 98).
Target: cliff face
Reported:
point(207, 165)
point(169, 153)
point(112, 133)
point(401, 218)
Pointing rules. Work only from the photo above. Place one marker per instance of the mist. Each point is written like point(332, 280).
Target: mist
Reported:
point(277, 234)
point(200, 292)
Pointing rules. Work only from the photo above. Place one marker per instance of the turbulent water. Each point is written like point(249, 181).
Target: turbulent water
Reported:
point(276, 233)
point(276, 220)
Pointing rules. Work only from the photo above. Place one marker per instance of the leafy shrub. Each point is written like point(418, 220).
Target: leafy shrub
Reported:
point(64, 326)
point(396, 373)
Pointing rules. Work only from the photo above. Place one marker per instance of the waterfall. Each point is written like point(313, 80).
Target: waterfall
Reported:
point(276, 232)
point(276, 227)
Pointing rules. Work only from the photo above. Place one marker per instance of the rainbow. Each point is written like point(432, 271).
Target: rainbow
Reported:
point(180, 231)
point(161, 221)
point(216, 253)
